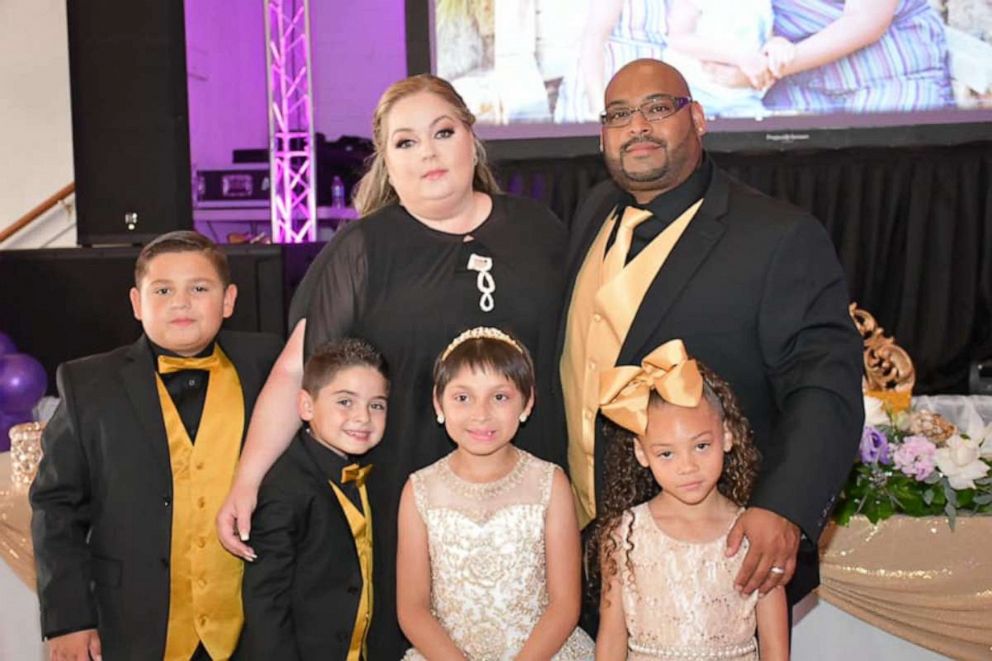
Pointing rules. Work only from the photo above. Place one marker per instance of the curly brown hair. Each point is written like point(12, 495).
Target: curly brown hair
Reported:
point(626, 483)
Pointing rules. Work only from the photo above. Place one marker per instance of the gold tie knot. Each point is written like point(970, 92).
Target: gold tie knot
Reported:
point(355, 473)
point(625, 391)
point(169, 364)
point(632, 217)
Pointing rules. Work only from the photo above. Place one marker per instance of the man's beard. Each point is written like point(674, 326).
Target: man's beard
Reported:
point(652, 179)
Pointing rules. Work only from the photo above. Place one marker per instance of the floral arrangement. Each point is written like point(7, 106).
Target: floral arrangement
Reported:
point(917, 463)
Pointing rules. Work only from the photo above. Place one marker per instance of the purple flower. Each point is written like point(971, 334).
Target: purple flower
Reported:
point(916, 457)
point(874, 447)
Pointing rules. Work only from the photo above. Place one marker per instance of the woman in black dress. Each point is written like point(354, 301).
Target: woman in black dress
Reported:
point(438, 250)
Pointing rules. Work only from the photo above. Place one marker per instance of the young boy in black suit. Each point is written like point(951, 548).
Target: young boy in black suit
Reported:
point(137, 459)
point(308, 594)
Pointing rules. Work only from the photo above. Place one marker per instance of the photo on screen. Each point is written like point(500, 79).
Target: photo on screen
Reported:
point(530, 68)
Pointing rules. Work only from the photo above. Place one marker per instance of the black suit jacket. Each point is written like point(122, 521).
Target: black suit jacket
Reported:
point(102, 499)
point(755, 290)
point(302, 593)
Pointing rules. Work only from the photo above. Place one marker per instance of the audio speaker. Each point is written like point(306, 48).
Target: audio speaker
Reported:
point(130, 124)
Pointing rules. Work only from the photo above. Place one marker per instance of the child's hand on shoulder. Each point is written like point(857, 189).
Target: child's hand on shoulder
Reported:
point(780, 53)
point(76, 646)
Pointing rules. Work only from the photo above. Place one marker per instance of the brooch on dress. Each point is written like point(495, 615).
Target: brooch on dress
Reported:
point(484, 281)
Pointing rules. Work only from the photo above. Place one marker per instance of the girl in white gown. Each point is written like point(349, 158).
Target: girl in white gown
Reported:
point(680, 465)
point(488, 563)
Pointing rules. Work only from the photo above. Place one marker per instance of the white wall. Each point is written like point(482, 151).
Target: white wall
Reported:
point(35, 120)
point(359, 49)
point(225, 62)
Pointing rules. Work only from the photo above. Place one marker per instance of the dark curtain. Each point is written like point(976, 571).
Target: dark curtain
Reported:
point(912, 227)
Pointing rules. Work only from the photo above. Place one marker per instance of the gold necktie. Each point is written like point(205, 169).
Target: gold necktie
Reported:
point(169, 364)
point(355, 473)
point(616, 256)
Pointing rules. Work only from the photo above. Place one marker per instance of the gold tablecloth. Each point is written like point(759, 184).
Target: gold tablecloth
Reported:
point(15, 526)
point(916, 579)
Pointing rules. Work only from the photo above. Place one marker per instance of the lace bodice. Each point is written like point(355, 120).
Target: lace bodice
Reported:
point(679, 599)
point(487, 554)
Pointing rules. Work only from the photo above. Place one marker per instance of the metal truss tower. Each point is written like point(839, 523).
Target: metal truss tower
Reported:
point(291, 135)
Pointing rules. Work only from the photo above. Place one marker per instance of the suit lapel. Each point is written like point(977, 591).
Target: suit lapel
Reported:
point(689, 253)
point(138, 376)
point(251, 381)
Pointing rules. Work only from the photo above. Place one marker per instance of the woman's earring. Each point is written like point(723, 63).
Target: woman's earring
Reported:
point(440, 418)
point(475, 158)
point(523, 418)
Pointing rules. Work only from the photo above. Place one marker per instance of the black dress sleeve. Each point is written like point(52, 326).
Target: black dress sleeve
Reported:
point(333, 289)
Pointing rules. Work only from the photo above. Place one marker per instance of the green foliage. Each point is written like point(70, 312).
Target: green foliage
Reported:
point(877, 491)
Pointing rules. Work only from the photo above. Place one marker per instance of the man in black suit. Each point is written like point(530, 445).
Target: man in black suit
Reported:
point(752, 286)
point(137, 458)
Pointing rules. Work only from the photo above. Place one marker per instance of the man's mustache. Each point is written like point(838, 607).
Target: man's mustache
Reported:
point(636, 141)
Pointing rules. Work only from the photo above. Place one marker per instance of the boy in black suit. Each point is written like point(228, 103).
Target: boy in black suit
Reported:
point(137, 459)
point(308, 594)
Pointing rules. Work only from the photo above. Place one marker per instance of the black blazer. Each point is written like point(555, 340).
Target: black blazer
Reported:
point(302, 593)
point(755, 290)
point(102, 499)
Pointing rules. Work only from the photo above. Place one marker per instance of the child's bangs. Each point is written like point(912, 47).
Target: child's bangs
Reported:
point(487, 355)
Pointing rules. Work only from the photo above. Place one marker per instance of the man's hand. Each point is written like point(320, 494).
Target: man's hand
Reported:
point(234, 521)
point(76, 646)
point(773, 542)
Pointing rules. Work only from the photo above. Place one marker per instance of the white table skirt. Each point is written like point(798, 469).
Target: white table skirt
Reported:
point(20, 623)
point(822, 632)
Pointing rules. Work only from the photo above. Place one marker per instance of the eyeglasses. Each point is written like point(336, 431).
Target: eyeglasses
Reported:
point(653, 110)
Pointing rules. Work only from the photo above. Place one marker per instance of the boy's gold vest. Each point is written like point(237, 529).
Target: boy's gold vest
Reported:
point(205, 580)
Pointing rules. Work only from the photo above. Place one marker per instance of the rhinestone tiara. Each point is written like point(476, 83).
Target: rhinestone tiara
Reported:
point(478, 333)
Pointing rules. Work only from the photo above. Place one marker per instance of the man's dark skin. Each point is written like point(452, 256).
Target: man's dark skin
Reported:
point(648, 159)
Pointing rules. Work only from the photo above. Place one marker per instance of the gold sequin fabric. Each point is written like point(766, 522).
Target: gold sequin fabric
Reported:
point(488, 565)
point(678, 597)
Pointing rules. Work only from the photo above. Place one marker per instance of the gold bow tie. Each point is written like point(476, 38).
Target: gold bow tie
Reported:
point(624, 391)
point(169, 364)
point(355, 473)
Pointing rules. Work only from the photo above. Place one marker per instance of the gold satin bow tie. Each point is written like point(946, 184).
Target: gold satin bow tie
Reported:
point(624, 391)
point(355, 473)
point(169, 364)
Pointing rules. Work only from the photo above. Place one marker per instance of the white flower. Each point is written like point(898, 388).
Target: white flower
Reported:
point(960, 461)
point(984, 439)
point(875, 415)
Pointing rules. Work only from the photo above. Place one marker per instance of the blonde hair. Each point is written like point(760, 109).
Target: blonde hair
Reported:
point(374, 190)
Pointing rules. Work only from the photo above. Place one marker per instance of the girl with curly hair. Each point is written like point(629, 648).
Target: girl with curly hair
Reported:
point(680, 465)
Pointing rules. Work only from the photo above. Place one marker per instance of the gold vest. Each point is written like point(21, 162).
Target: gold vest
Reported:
point(204, 579)
point(600, 314)
point(361, 530)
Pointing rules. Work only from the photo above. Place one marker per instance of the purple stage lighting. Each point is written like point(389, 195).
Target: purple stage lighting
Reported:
point(291, 136)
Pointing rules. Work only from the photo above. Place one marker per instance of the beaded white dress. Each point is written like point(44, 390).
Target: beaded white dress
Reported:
point(487, 553)
point(679, 599)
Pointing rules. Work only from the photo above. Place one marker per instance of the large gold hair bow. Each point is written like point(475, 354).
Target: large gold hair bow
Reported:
point(624, 391)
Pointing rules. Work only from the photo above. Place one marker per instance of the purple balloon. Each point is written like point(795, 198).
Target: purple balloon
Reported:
point(8, 420)
point(6, 344)
point(22, 382)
